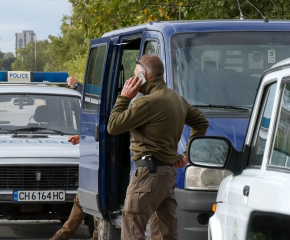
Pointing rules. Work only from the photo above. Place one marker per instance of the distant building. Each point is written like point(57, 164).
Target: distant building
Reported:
point(21, 39)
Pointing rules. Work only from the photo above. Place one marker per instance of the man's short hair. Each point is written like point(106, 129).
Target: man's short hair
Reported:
point(153, 65)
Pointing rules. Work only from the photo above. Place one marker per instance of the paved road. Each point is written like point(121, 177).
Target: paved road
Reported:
point(35, 230)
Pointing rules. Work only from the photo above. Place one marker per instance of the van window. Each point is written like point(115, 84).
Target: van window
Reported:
point(259, 142)
point(152, 48)
point(94, 79)
point(224, 68)
point(129, 62)
point(281, 153)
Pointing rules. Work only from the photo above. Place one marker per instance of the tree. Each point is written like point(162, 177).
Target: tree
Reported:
point(1, 60)
point(25, 60)
point(66, 47)
point(8, 55)
point(7, 63)
point(76, 67)
point(99, 16)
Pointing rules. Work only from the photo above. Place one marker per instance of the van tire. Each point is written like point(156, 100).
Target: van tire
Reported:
point(107, 231)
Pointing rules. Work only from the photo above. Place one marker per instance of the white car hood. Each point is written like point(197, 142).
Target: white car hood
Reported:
point(33, 146)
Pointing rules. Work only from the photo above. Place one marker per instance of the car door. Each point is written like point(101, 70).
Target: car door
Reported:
point(92, 169)
point(240, 187)
point(270, 190)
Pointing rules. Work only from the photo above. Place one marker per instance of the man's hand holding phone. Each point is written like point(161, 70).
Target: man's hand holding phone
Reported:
point(131, 88)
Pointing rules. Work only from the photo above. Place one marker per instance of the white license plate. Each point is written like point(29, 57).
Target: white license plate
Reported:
point(38, 196)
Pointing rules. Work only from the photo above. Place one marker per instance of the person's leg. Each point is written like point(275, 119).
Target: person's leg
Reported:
point(137, 209)
point(145, 193)
point(155, 227)
point(166, 214)
point(167, 219)
point(95, 234)
point(74, 221)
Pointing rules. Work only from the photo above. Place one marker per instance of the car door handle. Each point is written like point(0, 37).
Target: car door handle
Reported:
point(246, 190)
point(97, 132)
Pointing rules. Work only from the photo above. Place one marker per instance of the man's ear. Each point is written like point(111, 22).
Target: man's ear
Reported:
point(146, 76)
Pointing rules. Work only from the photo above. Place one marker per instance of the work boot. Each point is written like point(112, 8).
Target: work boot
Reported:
point(94, 238)
point(56, 237)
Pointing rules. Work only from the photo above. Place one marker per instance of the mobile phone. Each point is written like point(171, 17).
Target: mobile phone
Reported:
point(142, 78)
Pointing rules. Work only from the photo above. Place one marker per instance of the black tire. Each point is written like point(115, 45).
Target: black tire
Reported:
point(107, 231)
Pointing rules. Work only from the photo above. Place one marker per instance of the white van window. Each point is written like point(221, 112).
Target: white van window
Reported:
point(281, 152)
point(259, 142)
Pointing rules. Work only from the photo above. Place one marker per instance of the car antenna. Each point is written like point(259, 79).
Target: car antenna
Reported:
point(241, 14)
point(265, 19)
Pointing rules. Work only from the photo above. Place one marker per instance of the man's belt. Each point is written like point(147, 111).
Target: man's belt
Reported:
point(151, 163)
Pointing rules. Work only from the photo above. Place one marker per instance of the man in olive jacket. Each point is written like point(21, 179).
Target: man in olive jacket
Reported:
point(156, 121)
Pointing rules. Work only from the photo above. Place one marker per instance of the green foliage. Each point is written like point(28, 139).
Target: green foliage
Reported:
point(7, 63)
point(6, 60)
point(99, 16)
point(1, 59)
point(26, 61)
point(8, 55)
point(68, 52)
point(76, 67)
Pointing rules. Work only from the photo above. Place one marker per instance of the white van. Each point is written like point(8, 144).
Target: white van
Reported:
point(261, 171)
point(38, 166)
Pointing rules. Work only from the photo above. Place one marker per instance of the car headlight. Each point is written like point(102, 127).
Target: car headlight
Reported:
point(197, 178)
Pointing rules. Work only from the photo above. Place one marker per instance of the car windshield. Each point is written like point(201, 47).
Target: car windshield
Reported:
point(20, 112)
point(224, 68)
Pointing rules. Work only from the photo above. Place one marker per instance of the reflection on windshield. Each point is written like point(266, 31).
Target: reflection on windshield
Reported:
point(45, 111)
point(281, 153)
point(224, 68)
point(259, 143)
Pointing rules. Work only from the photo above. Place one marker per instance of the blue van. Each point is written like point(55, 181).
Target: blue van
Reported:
point(215, 65)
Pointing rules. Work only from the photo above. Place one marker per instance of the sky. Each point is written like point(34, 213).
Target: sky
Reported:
point(41, 16)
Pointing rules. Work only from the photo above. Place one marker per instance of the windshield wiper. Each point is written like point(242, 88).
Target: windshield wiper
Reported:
point(35, 129)
point(8, 130)
point(222, 106)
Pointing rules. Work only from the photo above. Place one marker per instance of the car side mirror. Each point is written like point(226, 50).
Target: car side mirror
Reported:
point(208, 151)
point(215, 152)
point(268, 225)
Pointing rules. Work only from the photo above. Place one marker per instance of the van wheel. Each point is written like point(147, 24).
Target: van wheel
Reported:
point(107, 231)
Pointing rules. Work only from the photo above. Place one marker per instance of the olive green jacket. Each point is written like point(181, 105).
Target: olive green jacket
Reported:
point(156, 121)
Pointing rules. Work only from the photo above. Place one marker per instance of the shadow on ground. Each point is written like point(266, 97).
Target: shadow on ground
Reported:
point(36, 230)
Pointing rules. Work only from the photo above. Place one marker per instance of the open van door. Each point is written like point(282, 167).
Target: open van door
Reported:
point(92, 168)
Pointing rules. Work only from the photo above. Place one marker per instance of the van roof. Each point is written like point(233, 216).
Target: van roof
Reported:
point(171, 27)
point(37, 89)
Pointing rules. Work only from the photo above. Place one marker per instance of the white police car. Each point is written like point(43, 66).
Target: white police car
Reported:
point(261, 171)
point(38, 166)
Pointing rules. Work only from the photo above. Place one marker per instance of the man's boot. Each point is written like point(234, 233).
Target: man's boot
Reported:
point(57, 237)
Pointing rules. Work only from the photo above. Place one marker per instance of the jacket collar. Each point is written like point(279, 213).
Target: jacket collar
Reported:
point(153, 85)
